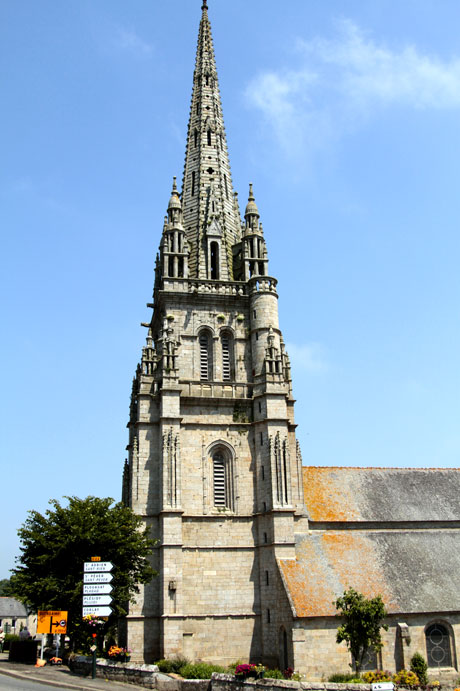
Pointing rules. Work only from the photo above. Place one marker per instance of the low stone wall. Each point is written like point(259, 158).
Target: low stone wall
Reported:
point(149, 677)
point(227, 682)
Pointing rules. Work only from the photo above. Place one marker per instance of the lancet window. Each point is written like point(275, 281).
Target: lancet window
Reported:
point(221, 459)
point(226, 341)
point(214, 247)
point(205, 342)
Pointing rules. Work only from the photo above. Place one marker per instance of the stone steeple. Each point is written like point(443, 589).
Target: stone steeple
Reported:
point(213, 466)
point(210, 211)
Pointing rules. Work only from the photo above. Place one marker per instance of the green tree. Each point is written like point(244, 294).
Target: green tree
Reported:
point(362, 620)
point(6, 589)
point(49, 571)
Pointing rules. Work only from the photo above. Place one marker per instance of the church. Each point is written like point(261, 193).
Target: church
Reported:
point(253, 547)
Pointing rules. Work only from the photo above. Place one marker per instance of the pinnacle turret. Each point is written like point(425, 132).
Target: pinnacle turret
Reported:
point(254, 248)
point(174, 251)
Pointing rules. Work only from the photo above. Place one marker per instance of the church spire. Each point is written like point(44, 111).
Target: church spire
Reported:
point(211, 217)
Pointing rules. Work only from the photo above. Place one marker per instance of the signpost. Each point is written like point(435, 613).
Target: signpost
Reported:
point(96, 600)
point(91, 566)
point(51, 621)
point(97, 611)
point(97, 577)
point(96, 593)
point(97, 588)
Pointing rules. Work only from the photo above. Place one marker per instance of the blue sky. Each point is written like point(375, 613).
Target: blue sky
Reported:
point(343, 115)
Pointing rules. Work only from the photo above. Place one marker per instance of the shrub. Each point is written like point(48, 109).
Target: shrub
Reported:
point(174, 665)
point(165, 666)
point(377, 676)
point(343, 678)
point(274, 674)
point(233, 665)
point(9, 638)
point(419, 667)
point(200, 670)
point(406, 678)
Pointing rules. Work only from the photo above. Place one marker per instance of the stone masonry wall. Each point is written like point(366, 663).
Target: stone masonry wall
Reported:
point(317, 655)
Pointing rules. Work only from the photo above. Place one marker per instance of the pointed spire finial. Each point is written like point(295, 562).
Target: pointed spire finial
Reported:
point(251, 208)
point(174, 188)
point(204, 6)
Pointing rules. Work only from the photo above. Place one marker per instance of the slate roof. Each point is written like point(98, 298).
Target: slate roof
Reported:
point(10, 607)
point(416, 567)
point(382, 494)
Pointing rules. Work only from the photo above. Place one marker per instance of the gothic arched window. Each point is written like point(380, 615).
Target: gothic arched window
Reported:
point(219, 479)
point(222, 477)
point(226, 342)
point(438, 647)
point(205, 342)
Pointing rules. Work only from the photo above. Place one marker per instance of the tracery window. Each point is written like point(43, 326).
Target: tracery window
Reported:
point(438, 647)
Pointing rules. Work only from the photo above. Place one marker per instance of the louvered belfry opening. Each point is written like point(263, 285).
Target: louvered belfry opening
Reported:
point(204, 356)
point(226, 366)
point(219, 479)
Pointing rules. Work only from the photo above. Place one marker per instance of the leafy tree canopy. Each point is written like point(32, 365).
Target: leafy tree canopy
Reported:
point(6, 589)
point(362, 620)
point(49, 571)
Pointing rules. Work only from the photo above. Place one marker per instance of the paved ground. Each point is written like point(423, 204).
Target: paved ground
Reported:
point(60, 677)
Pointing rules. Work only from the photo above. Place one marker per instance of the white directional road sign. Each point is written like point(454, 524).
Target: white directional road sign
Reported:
point(96, 600)
point(97, 566)
point(97, 611)
point(97, 577)
point(97, 588)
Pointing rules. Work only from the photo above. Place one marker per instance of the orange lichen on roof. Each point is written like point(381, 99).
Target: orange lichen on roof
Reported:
point(327, 496)
point(354, 559)
point(329, 563)
point(307, 582)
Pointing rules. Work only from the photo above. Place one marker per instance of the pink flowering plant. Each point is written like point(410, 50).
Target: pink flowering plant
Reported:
point(245, 670)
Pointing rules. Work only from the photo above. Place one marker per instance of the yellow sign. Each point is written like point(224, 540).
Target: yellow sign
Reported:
point(95, 559)
point(51, 621)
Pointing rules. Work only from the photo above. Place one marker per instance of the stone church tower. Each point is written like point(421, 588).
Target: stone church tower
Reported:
point(214, 467)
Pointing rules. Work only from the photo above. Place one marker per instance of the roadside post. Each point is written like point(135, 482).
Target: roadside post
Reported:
point(96, 594)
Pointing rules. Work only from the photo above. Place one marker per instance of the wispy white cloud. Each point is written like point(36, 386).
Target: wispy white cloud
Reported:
point(343, 80)
point(309, 357)
point(129, 40)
